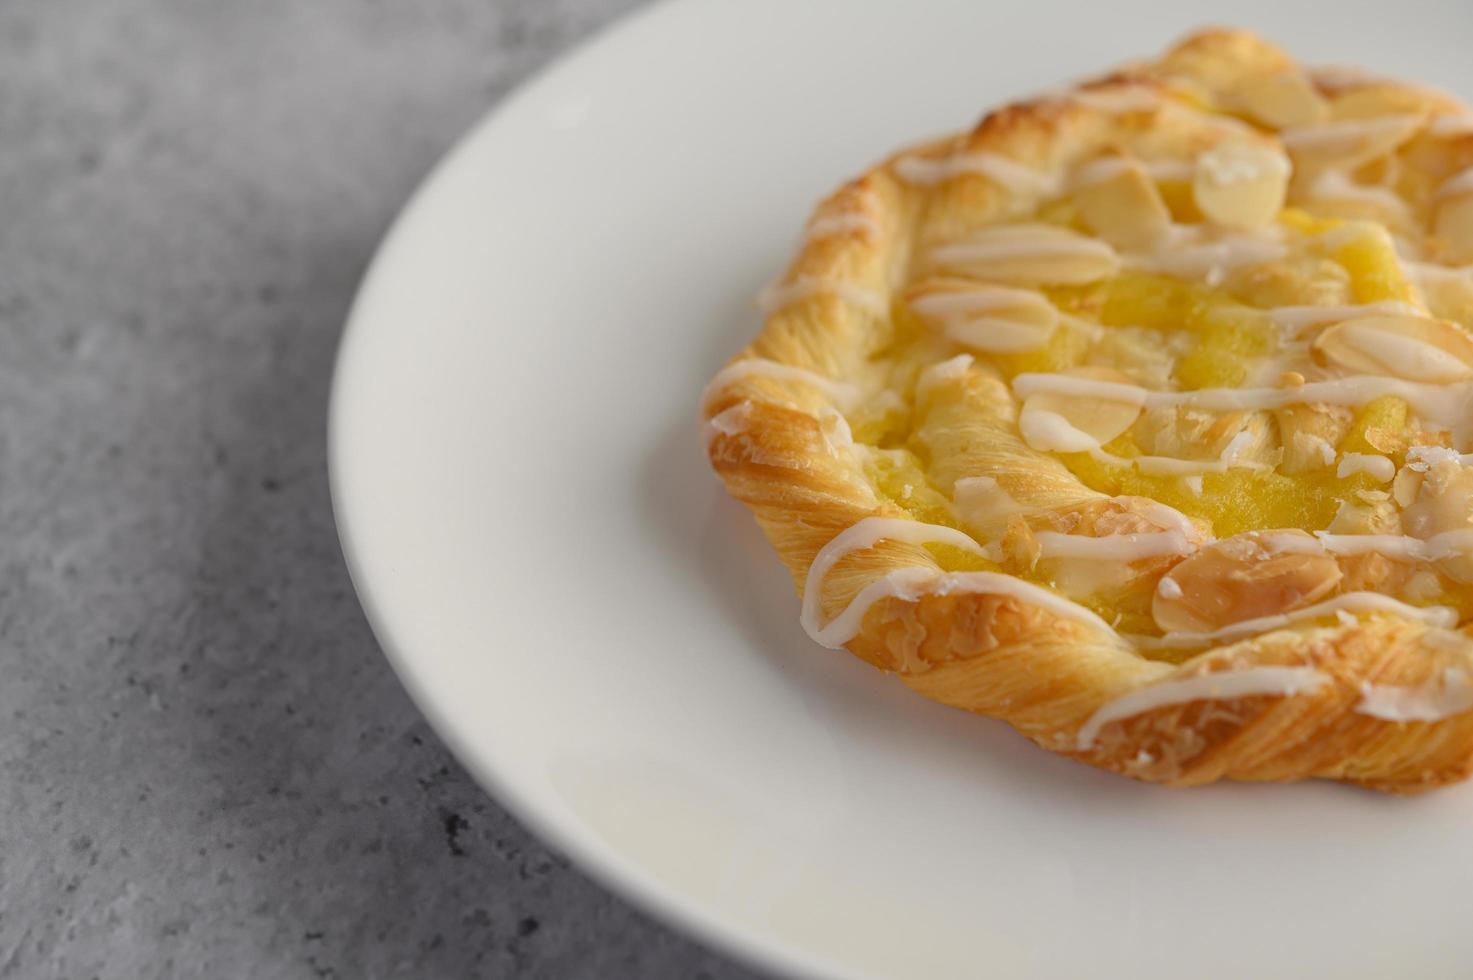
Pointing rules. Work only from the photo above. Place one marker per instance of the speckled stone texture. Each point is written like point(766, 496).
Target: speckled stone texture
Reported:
point(206, 767)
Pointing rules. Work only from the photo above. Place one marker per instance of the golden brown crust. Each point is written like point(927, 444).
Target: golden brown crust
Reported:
point(779, 451)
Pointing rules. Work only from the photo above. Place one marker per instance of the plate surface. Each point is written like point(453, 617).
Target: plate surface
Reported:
point(607, 642)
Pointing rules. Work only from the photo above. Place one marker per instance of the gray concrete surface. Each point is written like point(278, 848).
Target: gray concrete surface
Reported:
point(206, 768)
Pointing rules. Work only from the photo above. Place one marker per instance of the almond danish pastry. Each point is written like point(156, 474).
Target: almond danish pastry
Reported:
point(1141, 417)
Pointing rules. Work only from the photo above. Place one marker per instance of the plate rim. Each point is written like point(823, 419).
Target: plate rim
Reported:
point(616, 874)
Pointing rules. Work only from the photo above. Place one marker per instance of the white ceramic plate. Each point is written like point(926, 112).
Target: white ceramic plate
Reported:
point(604, 638)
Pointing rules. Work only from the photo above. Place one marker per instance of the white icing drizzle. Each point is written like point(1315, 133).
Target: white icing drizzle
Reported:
point(1049, 431)
point(1459, 183)
point(780, 295)
point(1108, 168)
point(1335, 185)
point(912, 583)
point(1309, 443)
point(1420, 458)
point(1005, 171)
point(1447, 544)
point(1299, 544)
point(1021, 242)
point(1280, 682)
point(866, 534)
point(841, 224)
point(1101, 170)
point(1244, 165)
point(1114, 547)
point(732, 420)
point(1443, 127)
point(1405, 357)
point(979, 299)
point(1446, 405)
point(839, 392)
point(981, 498)
point(1350, 602)
point(1135, 98)
point(1237, 448)
point(1344, 235)
point(835, 429)
point(1184, 254)
point(997, 335)
point(1379, 468)
point(1319, 134)
point(1171, 466)
point(942, 372)
point(1171, 170)
point(963, 315)
point(1403, 547)
point(1433, 700)
point(1030, 383)
point(728, 422)
point(1167, 517)
point(904, 583)
point(1296, 318)
point(1343, 76)
point(1432, 272)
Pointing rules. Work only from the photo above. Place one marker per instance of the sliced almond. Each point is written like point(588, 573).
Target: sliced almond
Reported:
point(1413, 348)
point(1240, 578)
point(1281, 100)
point(1053, 421)
point(1309, 434)
point(996, 319)
point(1371, 512)
point(1337, 195)
point(1136, 352)
point(1188, 433)
point(1404, 488)
point(1203, 252)
point(1121, 202)
point(1444, 499)
point(1239, 185)
point(1103, 545)
point(984, 504)
point(1450, 125)
point(1019, 545)
point(1387, 171)
point(1444, 502)
point(1386, 441)
point(1453, 225)
point(1348, 143)
point(1422, 586)
point(1029, 255)
point(1447, 292)
point(1379, 100)
point(1296, 279)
